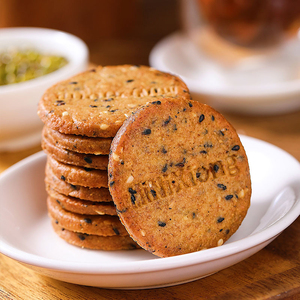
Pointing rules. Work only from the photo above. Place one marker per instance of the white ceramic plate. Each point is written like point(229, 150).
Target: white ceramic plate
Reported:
point(269, 89)
point(26, 234)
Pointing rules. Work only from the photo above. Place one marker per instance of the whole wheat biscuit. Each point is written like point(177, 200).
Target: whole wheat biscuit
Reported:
point(77, 191)
point(77, 175)
point(72, 158)
point(83, 207)
point(89, 224)
point(78, 143)
point(108, 243)
point(97, 102)
point(179, 177)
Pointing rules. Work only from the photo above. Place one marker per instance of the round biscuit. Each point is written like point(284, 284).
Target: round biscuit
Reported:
point(179, 177)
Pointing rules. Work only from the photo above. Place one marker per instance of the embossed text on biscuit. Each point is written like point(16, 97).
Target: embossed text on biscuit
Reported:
point(170, 184)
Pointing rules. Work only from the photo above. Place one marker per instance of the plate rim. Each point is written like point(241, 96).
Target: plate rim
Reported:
point(157, 264)
point(288, 88)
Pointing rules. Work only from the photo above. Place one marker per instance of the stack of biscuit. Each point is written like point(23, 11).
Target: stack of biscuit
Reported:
point(81, 116)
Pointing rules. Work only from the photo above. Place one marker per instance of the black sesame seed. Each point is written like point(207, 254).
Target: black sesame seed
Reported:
point(146, 131)
point(60, 102)
point(221, 132)
point(153, 193)
point(58, 201)
point(129, 80)
point(181, 164)
point(167, 121)
point(216, 168)
point(185, 91)
point(109, 99)
point(81, 236)
point(212, 118)
point(228, 197)
point(62, 177)
point(221, 186)
point(111, 183)
point(164, 150)
point(221, 230)
point(201, 118)
point(235, 148)
point(227, 231)
point(93, 106)
point(203, 152)
point(87, 220)
point(190, 104)
point(194, 215)
point(161, 224)
point(56, 222)
point(156, 102)
point(221, 219)
point(88, 159)
point(110, 175)
point(131, 191)
point(88, 169)
point(116, 231)
point(132, 199)
point(198, 175)
point(165, 168)
point(73, 82)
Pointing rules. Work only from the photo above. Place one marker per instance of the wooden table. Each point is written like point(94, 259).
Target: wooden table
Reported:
point(272, 273)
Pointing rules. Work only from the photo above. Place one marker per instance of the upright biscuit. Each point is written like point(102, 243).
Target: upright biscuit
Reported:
point(96, 242)
point(179, 177)
point(78, 143)
point(73, 158)
point(77, 175)
point(97, 102)
point(77, 191)
point(97, 225)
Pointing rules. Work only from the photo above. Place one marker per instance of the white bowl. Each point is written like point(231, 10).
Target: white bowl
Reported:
point(20, 126)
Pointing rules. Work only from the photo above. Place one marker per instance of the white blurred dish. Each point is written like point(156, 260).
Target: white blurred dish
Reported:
point(26, 234)
point(20, 126)
point(253, 88)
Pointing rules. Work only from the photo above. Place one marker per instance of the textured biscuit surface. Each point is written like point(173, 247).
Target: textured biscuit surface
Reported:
point(96, 103)
point(77, 191)
point(95, 242)
point(73, 158)
point(91, 178)
point(83, 207)
point(97, 225)
point(78, 143)
point(179, 177)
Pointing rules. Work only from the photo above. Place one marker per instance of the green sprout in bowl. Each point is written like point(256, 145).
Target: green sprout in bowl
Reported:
point(18, 66)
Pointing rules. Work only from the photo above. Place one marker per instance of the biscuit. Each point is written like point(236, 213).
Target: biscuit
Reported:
point(95, 103)
point(72, 158)
point(77, 191)
point(89, 224)
point(179, 177)
point(82, 206)
point(78, 143)
point(91, 178)
point(83, 240)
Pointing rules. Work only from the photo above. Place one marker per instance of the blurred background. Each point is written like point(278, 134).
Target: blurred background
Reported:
point(115, 31)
